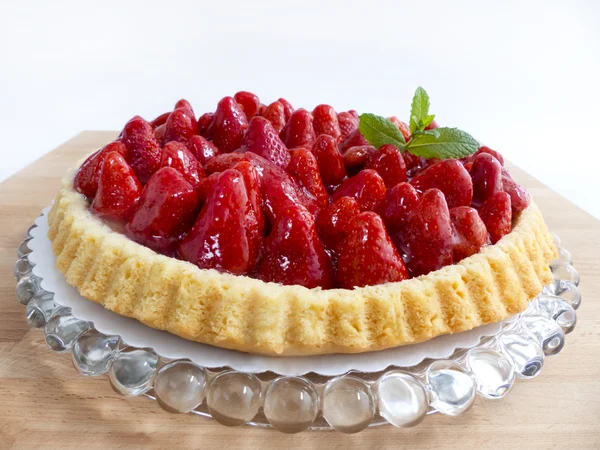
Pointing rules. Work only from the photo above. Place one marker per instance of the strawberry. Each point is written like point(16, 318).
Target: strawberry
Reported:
point(293, 253)
point(143, 150)
point(160, 120)
point(367, 187)
point(183, 103)
point(358, 156)
point(261, 110)
point(119, 189)
point(262, 140)
point(486, 173)
point(389, 163)
point(202, 149)
point(519, 197)
point(159, 133)
point(304, 169)
point(427, 238)
point(181, 125)
point(275, 113)
point(224, 161)
point(414, 163)
point(252, 182)
point(329, 160)
point(205, 186)
point(402, 127)
point(167, 209)
point(176, 155)
point(249, 102)
point(470, 232)
point(299, 132)
point(399, 202)
point(228, 126)
point(332, 222)
point(204, 124)
point(450, 177)
point(496, 214)
point(86, 179)
point(225, 236)
point(368, 256)
point(484, 149)
point(347, 123)
point(326, 121)
point(288, 110)
point(354, 139)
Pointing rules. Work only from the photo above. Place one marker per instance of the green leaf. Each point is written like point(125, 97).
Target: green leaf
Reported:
point(379, 131)
point(442, 143)
point(419, 109)
point(426, 121)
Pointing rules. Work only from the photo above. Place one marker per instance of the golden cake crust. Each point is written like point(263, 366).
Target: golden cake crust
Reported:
point(250, 315)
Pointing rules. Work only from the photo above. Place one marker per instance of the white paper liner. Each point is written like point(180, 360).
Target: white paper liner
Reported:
point(167, 345)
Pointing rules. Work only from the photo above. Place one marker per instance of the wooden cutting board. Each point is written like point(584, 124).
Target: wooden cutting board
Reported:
point(45, 403)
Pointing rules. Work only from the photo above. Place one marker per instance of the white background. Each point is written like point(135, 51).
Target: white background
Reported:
point(524, 77)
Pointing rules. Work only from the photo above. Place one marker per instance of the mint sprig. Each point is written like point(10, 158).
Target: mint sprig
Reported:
point(439, 143)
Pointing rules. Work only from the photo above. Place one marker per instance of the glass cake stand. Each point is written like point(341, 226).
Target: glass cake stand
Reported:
point(400, 396)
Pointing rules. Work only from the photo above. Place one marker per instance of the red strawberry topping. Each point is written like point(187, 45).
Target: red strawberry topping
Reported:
point(496, 214)
point(176, 155)
point(326, 121)
point(262, 140)
point(399, 202)
point(348, 124)
point(160, 120)
point(228, 126)
point(143, 150)
point(275, 113)
point(249, 102)
point(86, 179)
point(367, 187)
point(450, 177)
point(224, 161)
point(358, 156)
point(389, 163)
point(402, 127)
point(333, 221)
point(354, 139)
point(288, 109)
point(519, 197)
point(329, 160)
point(181, 125)
point(204, 125)
point(470, 232)
point(299, 132)
point(303, 168)
point(202, 149)
point(486, 173)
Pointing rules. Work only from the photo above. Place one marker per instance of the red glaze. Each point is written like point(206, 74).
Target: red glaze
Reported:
point(333, 222)
point(304, 169)
point(450, 177)
point(183, 103)
point(119, 189)
point(519, 197)
point(159, 133)
point(86, 179)
point(204, 123)
point(262, 140)
point(489, 151)
point(470, 232)
point(367, 187)
point(293, 253)
point(368, 256)
point(143, 150)
point(329, 160)
point(299, 132)
point(486, 173)
point(325, 121)
point(202, 149)
point(224, 161)
point(181, 125)
point(389, 163)
point(176, 155)
point(252, 182)
point(275, 113)
point(205, 186)
point(288, 109)
point(404, 129)
point(399, 202)
point(167, 209)
point(496, 213)
point(228, 126)
point(160, 120)
point(353, 139)
point(249, 102)
point(358, 156)
point(348, 124)
point(225, 236)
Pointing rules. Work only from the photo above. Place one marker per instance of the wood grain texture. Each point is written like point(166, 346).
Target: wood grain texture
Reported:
point(45, 403)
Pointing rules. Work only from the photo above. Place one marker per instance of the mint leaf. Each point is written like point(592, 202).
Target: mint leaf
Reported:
point(426, 121)
point(442, 143)
point(419, 110)
point(379, 131)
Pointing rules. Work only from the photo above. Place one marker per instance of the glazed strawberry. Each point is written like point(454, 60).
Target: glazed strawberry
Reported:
point(167, 209)
point(358, 156)
point(160, 120)
point(204, 123)
point(293, 253)
point(519, 197)
point(228, 126)
point(354, 139)
point(496, 214)
point(333, 221)
point(329, 160)
point(176, 155)
point(470, 232)
point(86, 179)
point(368, 256)
point(275, 113)
point(347, 123)
point(413, 163)
point(225, 236)
point(205, 187)
point(389, 163)
point(159, 133)
point(288, 109)
point(402, 127)
point(119, 189)
point(299, 132)
point(202, 149)
point(224, 161)
point(494, 153)
point(181, 125)
point(427, 238)
point(304, 169)
point(252, 182)
point(399, 202)
point(486, 173)
point(249, 102)
point(367, 187)
point(262, 140)
point(326, 121)
point(143, 150)
point(450, 177)
point(261, 109)
point(184, 104)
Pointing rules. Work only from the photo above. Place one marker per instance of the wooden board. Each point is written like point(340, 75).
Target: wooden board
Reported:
point(45, 403)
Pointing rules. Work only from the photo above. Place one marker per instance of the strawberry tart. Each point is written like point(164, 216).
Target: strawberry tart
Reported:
point(275, 230)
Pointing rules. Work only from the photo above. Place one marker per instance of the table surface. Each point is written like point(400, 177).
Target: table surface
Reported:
point(45, 403)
